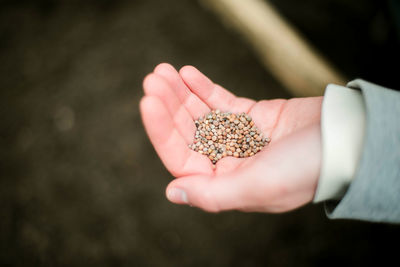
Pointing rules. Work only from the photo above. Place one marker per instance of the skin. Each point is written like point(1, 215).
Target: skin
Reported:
point(281, 177)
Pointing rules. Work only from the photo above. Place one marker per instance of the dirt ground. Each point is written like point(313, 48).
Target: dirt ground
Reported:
point(80, 184)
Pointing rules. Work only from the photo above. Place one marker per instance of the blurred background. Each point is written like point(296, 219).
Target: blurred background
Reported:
point(80, 183)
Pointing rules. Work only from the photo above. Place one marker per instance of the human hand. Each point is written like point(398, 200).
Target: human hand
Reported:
point(281, 177)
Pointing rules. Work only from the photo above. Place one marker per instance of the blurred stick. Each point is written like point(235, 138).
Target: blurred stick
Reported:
point(288, 56)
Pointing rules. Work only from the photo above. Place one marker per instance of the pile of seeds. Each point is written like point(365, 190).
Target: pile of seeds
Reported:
point(221, 134)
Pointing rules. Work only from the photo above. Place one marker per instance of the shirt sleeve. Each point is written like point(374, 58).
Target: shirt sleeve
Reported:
point(373, 194)
point(343, 118)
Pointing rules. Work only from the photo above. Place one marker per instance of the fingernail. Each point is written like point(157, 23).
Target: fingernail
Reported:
point(177, 195)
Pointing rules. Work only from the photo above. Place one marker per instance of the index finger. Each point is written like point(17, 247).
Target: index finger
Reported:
point(212, 94)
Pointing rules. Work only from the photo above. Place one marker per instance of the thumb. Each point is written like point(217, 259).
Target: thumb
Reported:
point(209, 193)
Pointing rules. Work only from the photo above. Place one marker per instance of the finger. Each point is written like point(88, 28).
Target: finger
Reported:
point(168, 143)
point(212, 94)
point(207, 192)
point(192, 103)
point(155, 85)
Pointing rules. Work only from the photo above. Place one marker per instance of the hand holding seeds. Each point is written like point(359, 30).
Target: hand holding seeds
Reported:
point(230, 152)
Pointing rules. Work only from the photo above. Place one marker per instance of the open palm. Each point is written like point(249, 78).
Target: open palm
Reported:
point(281, 177)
